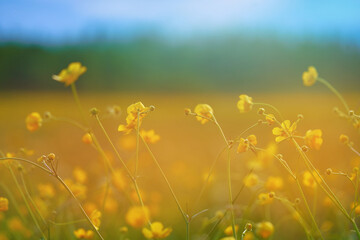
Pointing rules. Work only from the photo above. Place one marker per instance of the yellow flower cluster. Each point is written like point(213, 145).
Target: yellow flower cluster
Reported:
point(245, 103)
point(245, 144)
point(204, 113)
point(83, 234)
point(310, 76)
point(150, 136)
point(286, 130)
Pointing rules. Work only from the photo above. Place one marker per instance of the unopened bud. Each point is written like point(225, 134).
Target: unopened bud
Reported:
point(329, 171)
point(271, 194)
point(51, 156)
point(187, 111)
point(152, 108)
point(297, 201)
point(261, 111)
point(300, 116)
point(351, 113)
point(94, 111)
point(248, 227)
point(304, 148)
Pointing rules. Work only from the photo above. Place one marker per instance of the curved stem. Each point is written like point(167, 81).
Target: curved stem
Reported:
point(27, 161)
point(80, 206)
point(328, 85)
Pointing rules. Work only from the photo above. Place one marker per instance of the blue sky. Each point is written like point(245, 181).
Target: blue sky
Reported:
point(66, 20)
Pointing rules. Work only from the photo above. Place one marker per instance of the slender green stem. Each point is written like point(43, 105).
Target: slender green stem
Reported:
point(308, 209)
point(353, 149)
point(230, 196)
point(78, 103)
point(27, 161)
point(328, 85)
point(80, 206)
point(185, 216)
point(68, 223)
point(133, 179)
point(26, 202)
point(72, 122)
point(137, 144)
point(30, 198)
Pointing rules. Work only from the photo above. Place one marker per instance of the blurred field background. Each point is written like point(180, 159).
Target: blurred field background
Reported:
point(209, 59)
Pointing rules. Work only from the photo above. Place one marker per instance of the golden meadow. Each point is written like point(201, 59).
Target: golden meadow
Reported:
point(196, 166)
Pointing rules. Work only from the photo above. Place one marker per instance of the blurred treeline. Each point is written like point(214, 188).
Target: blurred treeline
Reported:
point(196, 64)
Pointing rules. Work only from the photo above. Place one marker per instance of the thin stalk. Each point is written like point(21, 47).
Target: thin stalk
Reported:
point(30, 198)
point(185, 216)
point(78, 103)
point(80, 206)
point(137, 144)
point(133, 179)
point(230, 196)
point(27, 161)
point(308, 209)
point(328, 85)
point(25, 201)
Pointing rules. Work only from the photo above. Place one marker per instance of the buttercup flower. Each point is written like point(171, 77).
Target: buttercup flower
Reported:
point(310, 76)
point(251, 180)
point(33, 121)
point(70, 74)
point(83, 234)
point(95, 218)
point(264, 198)
point(137, 216)
point(156, 231)
point(283, 132)
point(4, 204)
point(46, 190)
point(80, 175)
point(274, 183)
point(244, 144)
point(150, 136)
point(131, 120)
point(264, 229)
point(308, 179)
point(313, 138)
point(245, 103)
point(203, 111)
point(229, 231)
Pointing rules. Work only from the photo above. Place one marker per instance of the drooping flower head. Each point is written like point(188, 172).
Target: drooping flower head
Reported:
point(135, 111)
point(33, 121)
point(156, 231)
point(245, 103)
point(313, 138)
point(70, 74)
point(264, 229)
point(310, 76)
point(285, 131)
point(204, 112)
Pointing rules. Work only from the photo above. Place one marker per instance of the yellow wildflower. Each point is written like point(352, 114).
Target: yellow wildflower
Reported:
point(249, 236)
point(46, 190)
point(344, 139)
point(87, 139)
point(310, 76)
point(70, 74)
point(286, 130)
point(150, 136)
point(251, 180)
point(264, 198)
point(118, 179)
point(15, 224)
point(229, 230)
point(245, 103)
point(156, 231)
point(308, 179)
point(274, 183)
point(137, 216)
point(313, 138)
point(132, 118)
point(244, 144)
point(79, 175)
point(95, 218)
point(4, 204)
point(33, 121)
point(204, 112)
point(124, 229)
point(264, 229)
point(83, 234)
